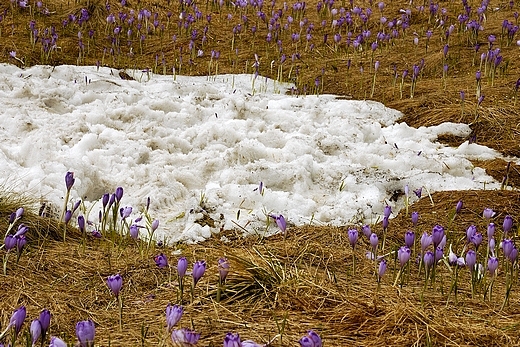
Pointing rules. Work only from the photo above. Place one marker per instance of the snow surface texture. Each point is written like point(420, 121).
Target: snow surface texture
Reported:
point(198, 145)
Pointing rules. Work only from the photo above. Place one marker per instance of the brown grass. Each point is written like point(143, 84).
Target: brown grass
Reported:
point(277, 288)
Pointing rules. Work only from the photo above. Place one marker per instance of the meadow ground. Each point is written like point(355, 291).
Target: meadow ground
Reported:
point(435, 62)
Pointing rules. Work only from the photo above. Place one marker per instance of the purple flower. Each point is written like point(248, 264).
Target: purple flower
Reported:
point(492, 265)
point(69, 180)
point(161, 261)
point(223, 268)
point(382, 269)
point(418, 192)
point(105, 199)
point(125, 212)
point(508, 224)
point(185, 337)
point(452, 257)
point(426, 240)
point(312, 339)
point(155, 225)
point(387, 211)
point(280, 221)
point(173, 315)
point(366, 230)
point(45, 320)
point(458, 208)
point(409, 238)
point(403, 254)
point(35, 330)
point(476, 239)
point(134, 231)
point(488, 213)
point(352, 237)
point(115, 282)
point(118, 194)
point(9, 242)
point(415, 218)
point(232, 340)
point(68, 216)
point(19, 213)
point(428, 259)
point(374, 240)
point(471, 259)
point(490, 230)
point(182, 266)
point(17, 319)
point(81, 224)
point(470, 231)
point(85, 332)
point(437, 235)
point(96, 234)
point(385, 223)
point(198, 271)
point(57, 342)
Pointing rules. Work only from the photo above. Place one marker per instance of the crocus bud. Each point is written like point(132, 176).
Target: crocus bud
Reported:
point(19, 213)
point(126, 212)
point(105, 199)
point(418, 192)
point(452, 257)
point(415, 218)
point(409, 238)
point(382, 269)
point(21, 241)
point(45, 320)
point(118, 194)
point(76, 205)
point(12, 218)
point(182, 266)
point(85, 332)
point(426, 240)
point(478, 75)
point(198, 271)
point(490, 230)
point(471, 259)
point(134, 231)
point(69, 180)
point(403, 254)
point(366, 230)
point(282, 224)
point(155, 225)
point(17, 319)
point(428, 259)
point(352, 237)
point(22, 229)
point(9, 242)
point(508, 224)
point(184, 337)
point(492, 265)
point(387, 211)
point(68, 216)
point(223, 268)
point(385, 223)
point(458, 208)
point(57, 342)
point(374, 240)
point(115, 282)
point(476, 239)
point(161, 261)
point(173, 315)
point(437, 235)
point(35, 330)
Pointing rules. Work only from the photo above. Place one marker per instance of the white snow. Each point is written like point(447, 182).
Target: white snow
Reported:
point(215, 139)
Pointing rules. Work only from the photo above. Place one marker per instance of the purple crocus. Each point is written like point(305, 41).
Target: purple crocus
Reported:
point(232, 340)
point(437, 235)
point(385, 223)
point(45, 321)
point(223, 269)
point(81, 224)
point(69, 180)
point(312, 339)
point(492, 265)
point(387, 211)
point(118, 194)
point(173, 315)
point(182, 266)
point(409, 238)
point(426, 240)
point(403, 254)
point(57, 342)
point(352, 237)
point(85, 332)
point(471, 259)
point(155, 225)
point(374, 240)
point(134, 231)
point(115, 282)
point(428, 259)
point(161, 261)
point(35, 330)
point(508, 224)
point(488, 213)
point(17, 319)
point(490, 230)
point(9, 242)
point(185, 337)
point(198, 271)
point(366, 230)
point(458, 208)
point(382, 269)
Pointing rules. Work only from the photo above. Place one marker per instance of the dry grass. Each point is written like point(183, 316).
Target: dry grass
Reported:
point(278, 289)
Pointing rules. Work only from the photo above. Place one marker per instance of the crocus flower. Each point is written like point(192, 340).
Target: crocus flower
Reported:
point(9, 242)
point(45, 320)
point(490, 230)
point(280, 221)
point(385, 222)
point(312, 339)
point(426, 240)
point(17, 319)
point(508, 224)
point(476, 239)
point(35, 330)
point(185, 337)
point(452, 257)
point(232, 340)
point(382, 268)
point(198, 271)
point(118, 194)
point(161, 261)
point(96, 234)
point(19, 213)
point(409, 238)
point(418, 192)
point(68, 216)
point(115, 282)
point(69, 180)
point(513, 254)
point(81, 224)
point(173, 315)
point(155, 225)
point(374, 240)
point(182, 266)
point(458, 208)
point(387, 211)
point(492, 265)
point(507, 247)
point(134, 231)
point(125, 212)
point(488, 213)
point(403, 254)
point(428, 259)
point(352, 237)
point(437, 235)
point(85, 332)
point(57, 342)
point(366, 230)
point(471, 259)
point(223, 268)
